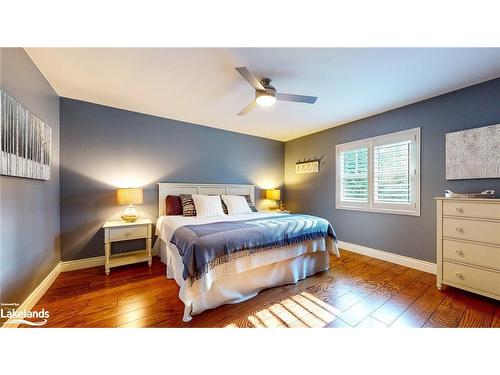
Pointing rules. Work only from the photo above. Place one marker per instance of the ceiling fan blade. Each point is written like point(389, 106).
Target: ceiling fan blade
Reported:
point(296, 98)
point(250, 78)
point(248, 108)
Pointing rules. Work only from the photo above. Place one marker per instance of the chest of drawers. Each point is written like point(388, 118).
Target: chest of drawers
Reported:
point(468, 245)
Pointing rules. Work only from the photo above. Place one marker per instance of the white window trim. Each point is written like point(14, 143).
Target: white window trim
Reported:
point(412, 209)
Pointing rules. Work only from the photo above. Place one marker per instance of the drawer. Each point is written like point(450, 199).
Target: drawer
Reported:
point(471, 209)
point(470, 277)
point(475, 254)
point(472, 230)
point(120, 234)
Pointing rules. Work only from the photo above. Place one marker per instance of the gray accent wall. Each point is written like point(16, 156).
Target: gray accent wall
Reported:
point(103, 148)
point(29, 209)
point(475, 106)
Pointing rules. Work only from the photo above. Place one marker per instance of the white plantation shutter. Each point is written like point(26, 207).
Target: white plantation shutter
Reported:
point(354, 171)
point(380, 174)
point(392, 172)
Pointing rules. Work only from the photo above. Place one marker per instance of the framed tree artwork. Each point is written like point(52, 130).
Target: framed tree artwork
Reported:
point(25, 141)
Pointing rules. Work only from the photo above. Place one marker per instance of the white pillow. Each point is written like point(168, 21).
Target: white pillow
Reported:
point(208, 205)
point(236, 204)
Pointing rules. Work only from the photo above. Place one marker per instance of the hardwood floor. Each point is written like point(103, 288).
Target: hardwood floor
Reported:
point(358, 291)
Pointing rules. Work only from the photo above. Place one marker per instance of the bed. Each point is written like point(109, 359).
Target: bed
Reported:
point(236, 278)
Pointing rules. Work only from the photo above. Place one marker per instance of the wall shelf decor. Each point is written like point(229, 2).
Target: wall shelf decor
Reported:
point(25, 141)
point(473, 153)
point(307, 166)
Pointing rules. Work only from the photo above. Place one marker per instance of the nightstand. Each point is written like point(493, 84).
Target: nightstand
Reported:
point(277, 211)
point(119, 230)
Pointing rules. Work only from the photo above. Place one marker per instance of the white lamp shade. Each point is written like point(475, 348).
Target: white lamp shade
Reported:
point(125, 196)
point(273, 194)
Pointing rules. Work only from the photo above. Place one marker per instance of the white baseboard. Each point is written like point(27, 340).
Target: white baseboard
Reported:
point(35, 296)
point(418, 264)
point(79, 264)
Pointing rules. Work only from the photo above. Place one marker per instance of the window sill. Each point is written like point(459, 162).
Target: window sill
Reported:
point(380, 210)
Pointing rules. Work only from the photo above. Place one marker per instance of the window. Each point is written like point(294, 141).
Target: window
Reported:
point(354, 172)
point(380, 174)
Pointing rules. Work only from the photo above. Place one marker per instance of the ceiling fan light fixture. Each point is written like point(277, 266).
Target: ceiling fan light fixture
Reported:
point(265, 99)
point(266, 95)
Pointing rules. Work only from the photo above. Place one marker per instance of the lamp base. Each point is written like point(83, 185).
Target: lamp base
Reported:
point(278, 206)
point(130, 214)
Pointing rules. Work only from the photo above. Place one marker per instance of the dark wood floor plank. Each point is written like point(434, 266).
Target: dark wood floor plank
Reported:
point(345, 258)
point(346, 279)
point(419, 311)
point(251, 314)
point(450, 311)
point(370, 284)
point(388, 284)
point(495, 323)
point(362, 282)
point(65, 291)
point(124, 288)
point(225, 314)
point(139, 296)
point(345, 301)
point(158, 318)
point(397, 304)
point(141, 289)
point(131, 312)
point(479, 313)
point(75, 277)
point(77, 318)
point(354, 264)
point(72, 303)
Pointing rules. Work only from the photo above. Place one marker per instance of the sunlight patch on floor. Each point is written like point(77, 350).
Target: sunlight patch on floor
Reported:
point(298, 311)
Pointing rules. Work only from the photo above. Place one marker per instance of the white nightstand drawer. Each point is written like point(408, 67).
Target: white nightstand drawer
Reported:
point(471, 209)
point(471, 253)
point(472, 230)
point(473, 278)
point(120, 234)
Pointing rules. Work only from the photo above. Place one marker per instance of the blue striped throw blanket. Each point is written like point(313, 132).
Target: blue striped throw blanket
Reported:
point(207, 245)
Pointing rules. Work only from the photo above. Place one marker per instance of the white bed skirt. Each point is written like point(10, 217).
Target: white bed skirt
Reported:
point(245, 285)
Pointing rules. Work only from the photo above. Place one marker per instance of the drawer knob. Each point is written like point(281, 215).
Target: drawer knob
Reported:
point(459, 210)
point(459, 252)
point(459, 275)
point(127, 234)
point(460, 230)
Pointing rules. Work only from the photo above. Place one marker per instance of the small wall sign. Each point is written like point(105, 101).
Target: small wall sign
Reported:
point(307, 167)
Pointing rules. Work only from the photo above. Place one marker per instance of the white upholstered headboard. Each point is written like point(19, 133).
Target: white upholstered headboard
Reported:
point(165, 189)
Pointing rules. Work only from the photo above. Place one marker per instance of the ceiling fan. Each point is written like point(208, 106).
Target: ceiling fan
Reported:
point(266, 95)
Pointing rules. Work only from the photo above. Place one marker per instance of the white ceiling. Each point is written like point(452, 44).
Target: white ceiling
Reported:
point(200, 85)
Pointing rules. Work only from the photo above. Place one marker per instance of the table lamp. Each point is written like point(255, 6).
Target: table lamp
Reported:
point(129, 197)
point(274, 195)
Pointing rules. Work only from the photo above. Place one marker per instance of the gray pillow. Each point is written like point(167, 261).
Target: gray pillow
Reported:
point(188, 207)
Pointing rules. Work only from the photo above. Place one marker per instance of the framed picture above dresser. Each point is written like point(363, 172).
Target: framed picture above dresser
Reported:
point(468, 245)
